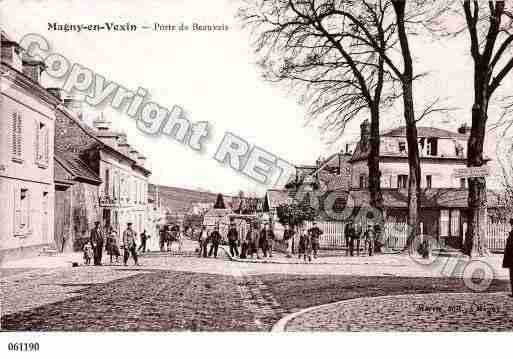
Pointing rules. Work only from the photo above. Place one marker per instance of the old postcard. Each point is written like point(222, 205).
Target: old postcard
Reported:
point(255, 166)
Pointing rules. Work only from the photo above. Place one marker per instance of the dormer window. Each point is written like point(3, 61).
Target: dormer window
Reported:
point(432, 146)
point(402, 147)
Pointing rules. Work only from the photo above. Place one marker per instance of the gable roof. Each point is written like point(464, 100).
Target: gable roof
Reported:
point(275, 197)
point(423, 131)
point(430, 198)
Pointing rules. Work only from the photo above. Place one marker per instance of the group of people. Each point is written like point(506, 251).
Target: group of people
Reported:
point(107, 239)
point(355, 234)
point(253, 243)
point(257, 242)
point(169, 234)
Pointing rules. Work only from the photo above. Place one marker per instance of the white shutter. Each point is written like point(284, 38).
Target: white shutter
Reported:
point(37, 150)
point(14, 133)
point(17, 210)
point(19, 136)
point(47, 146)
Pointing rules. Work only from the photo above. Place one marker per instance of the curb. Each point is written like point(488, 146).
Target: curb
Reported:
point(235, 259)
point(280, 325)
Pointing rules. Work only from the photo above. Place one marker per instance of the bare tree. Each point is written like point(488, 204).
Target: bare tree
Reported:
point(308, 45)
point(490, 28)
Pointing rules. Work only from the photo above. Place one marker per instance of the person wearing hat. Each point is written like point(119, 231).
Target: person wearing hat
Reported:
point(314, 234)
point(215, 239)
point(508, 256)
point(129, 244)
point(233, 237)
point(97, 240)
point(370, 239)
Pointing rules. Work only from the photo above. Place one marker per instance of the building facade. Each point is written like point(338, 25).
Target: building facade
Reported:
point(118, 194)
point(26, 154)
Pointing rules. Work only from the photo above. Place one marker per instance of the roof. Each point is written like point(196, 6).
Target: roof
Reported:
point(218, 212)
point(430, 198)
point(75, 167)
point(276, 197)
point(425, 132)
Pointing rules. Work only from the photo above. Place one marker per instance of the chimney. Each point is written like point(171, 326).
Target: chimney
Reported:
point(464, 129)
point(74, 106)
point(11, 52)
point(365, 132)
point(56, 91)
point(33, 69)
point(133, 153)
point(123, 145)
point(101, 123)
point(141, 160)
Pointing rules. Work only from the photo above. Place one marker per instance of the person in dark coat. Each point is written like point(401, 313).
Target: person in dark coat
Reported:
point(358, 231)
point(215, 239)
point(267, 240)
point(349, 235)
point(370, 239)
point(508, 256)
point(314, 234)
point(144, 238)
point(233, 237)
point(97, 240)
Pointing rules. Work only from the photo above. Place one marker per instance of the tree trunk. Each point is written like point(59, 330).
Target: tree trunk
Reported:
point(475, 243)
point(411, 128)
point(414, 166)
point(376, 196)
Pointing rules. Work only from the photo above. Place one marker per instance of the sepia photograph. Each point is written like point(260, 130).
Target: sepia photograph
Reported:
point(300, 168)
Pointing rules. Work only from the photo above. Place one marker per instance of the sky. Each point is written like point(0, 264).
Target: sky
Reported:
point(213, 76)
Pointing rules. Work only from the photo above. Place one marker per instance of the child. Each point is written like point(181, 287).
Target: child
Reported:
point(88, 253)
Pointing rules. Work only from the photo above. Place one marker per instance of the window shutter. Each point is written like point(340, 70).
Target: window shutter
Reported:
point(19, 136)
point(28, 213)
point(37, 151)
point(14, 133)
point(17, 210)
point(47, 147)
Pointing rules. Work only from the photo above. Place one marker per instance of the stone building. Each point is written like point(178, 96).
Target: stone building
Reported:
point(118, 194)
point(27, 119)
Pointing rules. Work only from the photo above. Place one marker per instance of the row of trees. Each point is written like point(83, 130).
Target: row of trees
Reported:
point(352, 58)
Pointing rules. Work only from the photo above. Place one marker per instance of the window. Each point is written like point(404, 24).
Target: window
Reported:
point(444, 222)
point(402, 147)
point(107, 182)
point(432, 146)
point(402, 181)
point(363, 181)
point(21, 211)
point(463, 183)
point(455, 222)
point(429, 181)
point(42, 144)
point(16, 135)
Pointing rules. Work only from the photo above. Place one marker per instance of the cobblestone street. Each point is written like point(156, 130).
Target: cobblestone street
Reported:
point(176, 293)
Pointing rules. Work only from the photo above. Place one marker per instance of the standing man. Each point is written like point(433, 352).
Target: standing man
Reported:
point(203, 242)
point(267, 240)
point(357, 236)
point(349, 235)
point(233, 237)
point(144, 238)
point(215, 238)
point(370, 239)
point(314, 234)
point(129, 244)
point(508, 256)
point(244, 245)
point(97, 239)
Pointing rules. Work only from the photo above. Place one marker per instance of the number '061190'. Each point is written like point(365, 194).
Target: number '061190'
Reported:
point(23, 347)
